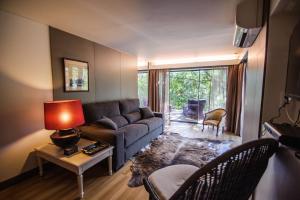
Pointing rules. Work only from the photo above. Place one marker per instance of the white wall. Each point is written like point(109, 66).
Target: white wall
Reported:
point(25, 83)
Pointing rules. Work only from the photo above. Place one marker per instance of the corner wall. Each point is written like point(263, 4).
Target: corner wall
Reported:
point(282, 177)
point(25, 83)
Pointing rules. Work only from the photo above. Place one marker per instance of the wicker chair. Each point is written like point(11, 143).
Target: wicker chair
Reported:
point(232, 176)
point(214, 118)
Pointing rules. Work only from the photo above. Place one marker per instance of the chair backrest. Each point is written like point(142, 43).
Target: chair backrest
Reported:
point(216, 114)
point(231, 176)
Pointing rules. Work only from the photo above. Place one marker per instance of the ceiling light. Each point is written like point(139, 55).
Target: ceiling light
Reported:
point(196, 59)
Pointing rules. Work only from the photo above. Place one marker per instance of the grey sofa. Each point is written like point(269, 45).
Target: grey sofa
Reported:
point(133, 131)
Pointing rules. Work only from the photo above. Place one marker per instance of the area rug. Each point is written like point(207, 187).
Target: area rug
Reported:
point(171, 149)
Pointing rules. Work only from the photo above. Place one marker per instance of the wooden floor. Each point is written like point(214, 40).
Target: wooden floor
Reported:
point(58, 183)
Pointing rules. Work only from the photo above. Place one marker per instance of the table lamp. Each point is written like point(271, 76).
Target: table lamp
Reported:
point(64, 117)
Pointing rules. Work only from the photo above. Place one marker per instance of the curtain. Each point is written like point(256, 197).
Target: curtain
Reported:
point(153, 96)
point(217, 96)
point(234, 97)
point(158, 90)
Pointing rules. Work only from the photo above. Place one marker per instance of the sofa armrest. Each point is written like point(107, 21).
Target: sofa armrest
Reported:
point(158, 114)
point(113, 137)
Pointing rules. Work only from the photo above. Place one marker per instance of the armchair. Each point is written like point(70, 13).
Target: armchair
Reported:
point(214, 118)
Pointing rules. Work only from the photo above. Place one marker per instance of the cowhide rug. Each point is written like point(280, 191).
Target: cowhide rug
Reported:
point(172, 148)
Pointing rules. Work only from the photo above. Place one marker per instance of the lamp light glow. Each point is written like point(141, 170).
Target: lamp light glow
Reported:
point(65, 117)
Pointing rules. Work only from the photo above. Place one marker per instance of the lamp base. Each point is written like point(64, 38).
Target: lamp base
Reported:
point(65, 138)
point(70, 150)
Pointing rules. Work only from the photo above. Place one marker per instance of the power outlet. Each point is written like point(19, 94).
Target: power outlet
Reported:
point(287, 100)
point(282, 99)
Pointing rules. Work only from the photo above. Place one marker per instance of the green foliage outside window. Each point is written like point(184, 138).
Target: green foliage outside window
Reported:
point(208, 84)
point(184, 85)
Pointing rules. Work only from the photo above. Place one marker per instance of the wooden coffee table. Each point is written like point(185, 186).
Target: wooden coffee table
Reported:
point(77, 163)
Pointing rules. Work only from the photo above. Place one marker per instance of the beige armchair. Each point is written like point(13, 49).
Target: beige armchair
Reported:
point(214, 118)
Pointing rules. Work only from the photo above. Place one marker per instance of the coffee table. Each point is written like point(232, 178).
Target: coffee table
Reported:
point(77, 163)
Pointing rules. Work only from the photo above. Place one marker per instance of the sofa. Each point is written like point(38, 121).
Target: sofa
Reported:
point(133, 131)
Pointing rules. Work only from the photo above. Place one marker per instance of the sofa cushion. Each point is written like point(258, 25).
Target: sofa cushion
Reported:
point(133, 132)
point(119, 120)
point(146, 113)
point(133, 117)
point(129, 106)
point(95, 111)
point(152, 123)
point(99, 133)
point(108, 123)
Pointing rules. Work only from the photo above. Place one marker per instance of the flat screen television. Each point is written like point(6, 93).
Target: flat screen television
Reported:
point(293, 73)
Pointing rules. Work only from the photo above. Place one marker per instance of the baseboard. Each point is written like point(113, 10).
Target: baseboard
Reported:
point(21, 177)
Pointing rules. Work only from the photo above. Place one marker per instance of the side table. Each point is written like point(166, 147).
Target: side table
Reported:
point(77, 163)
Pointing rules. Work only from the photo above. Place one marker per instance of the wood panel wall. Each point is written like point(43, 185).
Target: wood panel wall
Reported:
point(112, 74)
point(254, 88)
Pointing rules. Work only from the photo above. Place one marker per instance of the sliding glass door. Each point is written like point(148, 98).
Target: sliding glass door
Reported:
point(143, 87)
point(184, 87)
point(196, 91)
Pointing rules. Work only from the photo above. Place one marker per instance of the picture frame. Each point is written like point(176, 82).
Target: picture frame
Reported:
point(76, 75)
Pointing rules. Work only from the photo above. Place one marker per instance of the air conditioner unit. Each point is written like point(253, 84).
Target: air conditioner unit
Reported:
point(249, 21)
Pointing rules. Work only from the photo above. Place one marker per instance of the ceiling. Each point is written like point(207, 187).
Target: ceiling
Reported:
point(149, 29)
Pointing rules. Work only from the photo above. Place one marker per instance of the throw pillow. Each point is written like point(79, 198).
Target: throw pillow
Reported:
point(108, 123)
point(133, 117)
point(146, 113)
point(119, 120)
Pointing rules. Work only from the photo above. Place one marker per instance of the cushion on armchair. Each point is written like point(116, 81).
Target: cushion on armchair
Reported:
point(166, 181)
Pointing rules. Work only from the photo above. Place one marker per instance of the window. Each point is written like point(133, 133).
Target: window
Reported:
point(196, 91)
point(143, 88)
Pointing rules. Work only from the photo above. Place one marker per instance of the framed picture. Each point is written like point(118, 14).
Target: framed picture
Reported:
point(76, 75)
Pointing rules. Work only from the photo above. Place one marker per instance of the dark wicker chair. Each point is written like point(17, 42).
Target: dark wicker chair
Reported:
point(232, 176)
point(194, 109)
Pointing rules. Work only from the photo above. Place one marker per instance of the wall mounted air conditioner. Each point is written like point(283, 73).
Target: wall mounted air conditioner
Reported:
point(249, 21)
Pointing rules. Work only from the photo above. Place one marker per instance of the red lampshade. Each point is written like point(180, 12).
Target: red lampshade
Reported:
point(59, 115)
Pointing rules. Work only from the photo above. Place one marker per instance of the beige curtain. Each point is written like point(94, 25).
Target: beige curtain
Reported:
point(158, 90)
point(164, 90)
point(234, 97)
